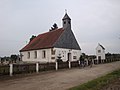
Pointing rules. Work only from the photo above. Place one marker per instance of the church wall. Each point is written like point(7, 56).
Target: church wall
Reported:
point(51, 57)
point(39, 57)
point(75, 54)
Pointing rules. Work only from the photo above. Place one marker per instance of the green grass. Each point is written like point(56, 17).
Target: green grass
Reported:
point(98, 83)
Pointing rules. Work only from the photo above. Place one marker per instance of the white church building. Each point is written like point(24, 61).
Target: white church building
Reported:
point(46, 47)
point(100, 53)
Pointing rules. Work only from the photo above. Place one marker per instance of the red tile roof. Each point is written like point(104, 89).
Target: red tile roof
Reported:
point(45, 40)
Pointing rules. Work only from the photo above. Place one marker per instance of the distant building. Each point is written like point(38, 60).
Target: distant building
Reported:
point(48, 46)
point(100, 53)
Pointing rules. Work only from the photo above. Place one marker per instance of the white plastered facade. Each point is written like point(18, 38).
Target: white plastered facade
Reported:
point(50, 56)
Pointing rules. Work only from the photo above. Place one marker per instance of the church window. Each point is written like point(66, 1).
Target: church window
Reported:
point(28, 56)
point(64, 22)
point(53, 51)
point(52, 57)
point(69, 22)
point(43, 54)
point(99, 51)
point(35, 54)
point(74, 57)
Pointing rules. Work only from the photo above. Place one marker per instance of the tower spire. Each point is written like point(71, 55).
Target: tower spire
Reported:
point(66, 21)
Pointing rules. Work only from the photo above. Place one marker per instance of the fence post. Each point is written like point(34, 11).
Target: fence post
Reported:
point(11, 69)
point(56, 65)
point(87, 62)
point(37, 67)
point(79, 63)
point(69, 64)
point(93, 62)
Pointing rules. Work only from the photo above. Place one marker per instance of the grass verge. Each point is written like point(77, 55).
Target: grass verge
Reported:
point(98, 83)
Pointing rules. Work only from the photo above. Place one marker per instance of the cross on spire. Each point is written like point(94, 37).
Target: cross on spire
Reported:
point(65, 10)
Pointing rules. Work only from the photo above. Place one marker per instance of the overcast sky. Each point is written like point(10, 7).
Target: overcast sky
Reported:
point(93, 22)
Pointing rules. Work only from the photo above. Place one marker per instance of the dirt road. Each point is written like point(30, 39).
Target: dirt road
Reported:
point(59, 80)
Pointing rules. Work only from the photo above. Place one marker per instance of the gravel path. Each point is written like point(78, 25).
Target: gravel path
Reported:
point(59, 80)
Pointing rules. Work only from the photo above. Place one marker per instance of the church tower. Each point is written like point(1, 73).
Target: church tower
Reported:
point(66, 22)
